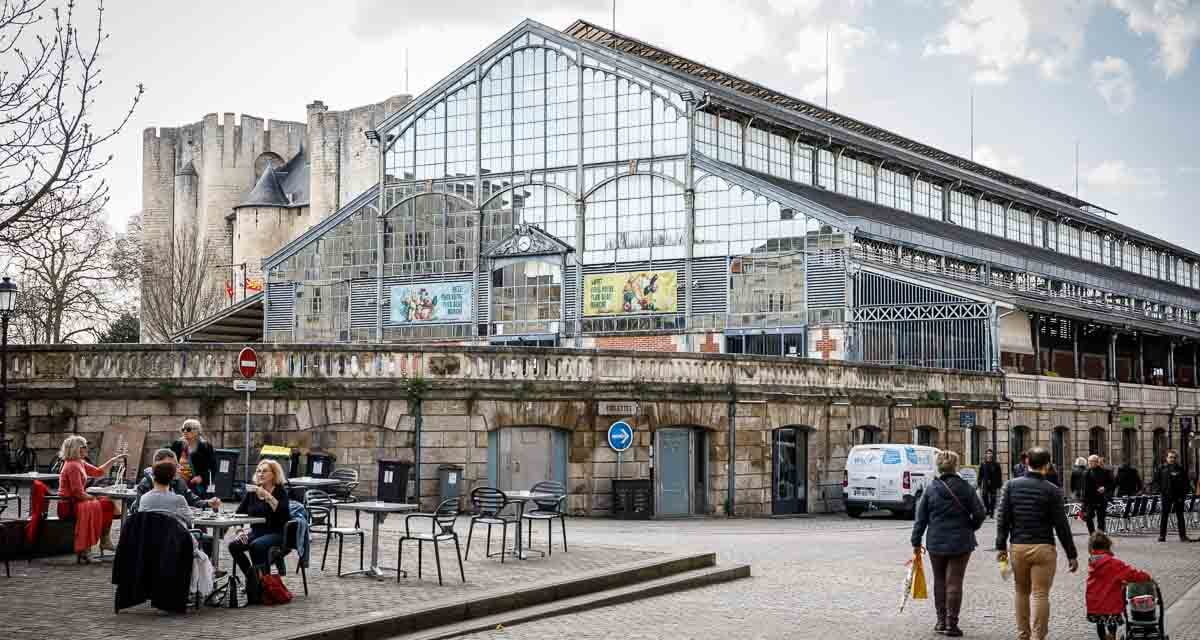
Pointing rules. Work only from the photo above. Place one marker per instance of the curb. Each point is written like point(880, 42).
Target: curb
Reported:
point(664, 586)
point(392, 622)
point(1177, 613)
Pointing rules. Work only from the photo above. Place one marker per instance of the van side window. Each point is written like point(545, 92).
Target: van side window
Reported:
point(891, 456)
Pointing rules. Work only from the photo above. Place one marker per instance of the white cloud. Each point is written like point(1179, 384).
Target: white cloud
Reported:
point(808, 56)
point(1113, 78)
point(1000, 36)
point(990, 156)
point(1115, 175)
point(1175, 24)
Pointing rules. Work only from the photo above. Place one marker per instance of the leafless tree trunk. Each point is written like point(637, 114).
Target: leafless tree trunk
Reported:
point(177, 286)
point(69, 287)
point(49, 76)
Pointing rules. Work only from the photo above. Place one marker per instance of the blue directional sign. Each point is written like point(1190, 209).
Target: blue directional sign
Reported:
point(620, 436)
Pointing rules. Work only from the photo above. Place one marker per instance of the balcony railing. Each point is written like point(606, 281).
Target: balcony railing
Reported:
point(1043, 389)
point(53, 366)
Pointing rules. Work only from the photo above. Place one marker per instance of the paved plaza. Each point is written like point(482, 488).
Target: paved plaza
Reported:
point(812, 577)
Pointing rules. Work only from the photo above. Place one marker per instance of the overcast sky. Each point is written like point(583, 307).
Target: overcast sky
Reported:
point(1118, 76)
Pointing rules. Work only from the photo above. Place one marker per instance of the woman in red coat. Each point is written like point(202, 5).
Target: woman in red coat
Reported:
point(1107, 577)
point(93, 516)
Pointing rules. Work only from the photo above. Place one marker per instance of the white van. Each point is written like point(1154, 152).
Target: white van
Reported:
point(886, 476)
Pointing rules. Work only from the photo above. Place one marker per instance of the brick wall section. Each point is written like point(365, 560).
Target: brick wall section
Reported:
point(660, 343)
point(711, 343)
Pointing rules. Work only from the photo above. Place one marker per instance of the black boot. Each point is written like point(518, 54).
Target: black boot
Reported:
point(253, 588)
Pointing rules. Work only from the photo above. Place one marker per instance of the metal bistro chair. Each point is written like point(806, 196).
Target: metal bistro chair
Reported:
point(6, 497)
point(277, 555)
point(489, 504)
point(548, 510)
point(344, 492)
point(441, 529)
point(320, 509)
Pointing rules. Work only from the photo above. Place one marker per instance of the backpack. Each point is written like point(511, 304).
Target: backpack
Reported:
point(274, 591)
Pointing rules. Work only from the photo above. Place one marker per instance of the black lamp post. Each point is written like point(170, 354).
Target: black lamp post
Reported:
point(8, 300)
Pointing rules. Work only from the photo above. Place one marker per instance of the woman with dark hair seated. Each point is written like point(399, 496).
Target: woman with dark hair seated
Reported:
point(161, 498)
point(268, 500)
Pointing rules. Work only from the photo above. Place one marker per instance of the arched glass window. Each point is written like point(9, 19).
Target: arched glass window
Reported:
point(735, 220)
point(867, 434)
point(1129, 446)
point(551, 210)
point(527, 297)
point(634, 213)
point(1018, 443)
point(431, 233)
point(1096, 442)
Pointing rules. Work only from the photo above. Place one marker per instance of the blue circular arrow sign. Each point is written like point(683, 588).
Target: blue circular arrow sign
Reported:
point(620, 435)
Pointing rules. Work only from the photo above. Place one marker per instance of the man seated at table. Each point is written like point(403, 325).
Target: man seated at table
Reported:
point(177, 486)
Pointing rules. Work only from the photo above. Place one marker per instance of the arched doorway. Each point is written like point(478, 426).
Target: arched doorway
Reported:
point(680, 471)
point(520, 457)
point(1017, 445)
point(925, 436)
point(1058, 452)
point(868, 434)
point(789, 473)
point(1097, 445)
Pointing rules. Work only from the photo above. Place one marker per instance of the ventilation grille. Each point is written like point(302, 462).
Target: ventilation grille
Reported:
point(281, 306)
point(711, 293)
point(826, 279)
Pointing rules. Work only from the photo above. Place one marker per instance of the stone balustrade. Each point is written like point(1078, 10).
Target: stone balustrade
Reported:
point(1052, 390)
point(38, 365)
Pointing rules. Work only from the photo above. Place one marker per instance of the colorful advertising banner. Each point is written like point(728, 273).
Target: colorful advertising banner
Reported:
point(610, 294)
point(431, 302)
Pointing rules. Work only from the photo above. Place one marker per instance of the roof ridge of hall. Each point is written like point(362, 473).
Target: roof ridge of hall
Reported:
point(592, 33)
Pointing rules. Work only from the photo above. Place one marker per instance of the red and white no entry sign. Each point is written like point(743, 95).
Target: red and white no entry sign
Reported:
point(247, 362)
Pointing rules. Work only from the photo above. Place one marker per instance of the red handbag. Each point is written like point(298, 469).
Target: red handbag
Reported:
point(273, 590)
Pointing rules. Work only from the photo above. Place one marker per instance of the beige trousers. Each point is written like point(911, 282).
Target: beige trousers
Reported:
point(1033, 567)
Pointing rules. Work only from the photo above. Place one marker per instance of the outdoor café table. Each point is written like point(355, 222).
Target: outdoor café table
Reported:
point(379, 510)
point(304, 483)
point(28, 478)
point(219, 523)
point(521, 497)
point(127, 496)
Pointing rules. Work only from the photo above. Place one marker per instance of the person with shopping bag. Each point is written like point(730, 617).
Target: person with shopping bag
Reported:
point(948, 515)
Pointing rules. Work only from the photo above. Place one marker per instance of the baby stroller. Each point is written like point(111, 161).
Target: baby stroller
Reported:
point(1145, 612)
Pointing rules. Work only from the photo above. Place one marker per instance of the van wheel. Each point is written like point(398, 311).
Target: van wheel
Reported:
point(854, 512)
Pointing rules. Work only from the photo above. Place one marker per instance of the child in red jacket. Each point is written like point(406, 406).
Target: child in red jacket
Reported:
point(1107, 577)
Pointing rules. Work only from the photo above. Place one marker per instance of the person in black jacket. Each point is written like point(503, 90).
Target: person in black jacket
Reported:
point(267, 500)
point(1129, 481)
point(1172, 480)
point(991, 478)
point(1077, 473)
point(1032, 512)
point(948, 515)
point(1097, 488)
point(195, 456)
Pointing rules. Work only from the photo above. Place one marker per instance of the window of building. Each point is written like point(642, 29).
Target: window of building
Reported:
point(962, 210)
point(635, 212)
point(977, 448)
point(767, 290)
point(526, 297)
point(1018, 443)
point(1096, 442)
point(1158, 445)
point(825, 169)
point(706, 134)
point(868, 435)
point(926, 436)
point(928, 200)
point(735, 220)
point(1058, 451)
point(1129, 446)
point(729, 141)
point(802, 164)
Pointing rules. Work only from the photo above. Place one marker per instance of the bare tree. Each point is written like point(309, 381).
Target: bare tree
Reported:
point(69, 288)
point(177, 285)
point(49, 77)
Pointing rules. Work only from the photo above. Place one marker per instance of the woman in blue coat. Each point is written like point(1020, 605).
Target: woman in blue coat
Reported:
point(948, 515)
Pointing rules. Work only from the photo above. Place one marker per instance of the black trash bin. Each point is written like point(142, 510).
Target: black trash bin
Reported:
point(319, 464)
point(449, 481)
point(393, 480)
point(225, 473)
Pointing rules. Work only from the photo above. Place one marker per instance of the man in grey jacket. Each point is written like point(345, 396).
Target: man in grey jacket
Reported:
point(1032, 512)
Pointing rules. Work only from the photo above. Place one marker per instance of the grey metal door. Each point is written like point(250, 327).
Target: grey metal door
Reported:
point(674, 472)
point(525, 457)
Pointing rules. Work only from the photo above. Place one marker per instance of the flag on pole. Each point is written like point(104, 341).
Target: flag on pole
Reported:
point(229, 289)
point(254, 284)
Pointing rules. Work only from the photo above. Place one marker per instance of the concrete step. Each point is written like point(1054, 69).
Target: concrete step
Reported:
point(390, 623)
point(649, 589)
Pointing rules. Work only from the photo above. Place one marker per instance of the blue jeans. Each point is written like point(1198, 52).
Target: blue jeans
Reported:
point(257, 549)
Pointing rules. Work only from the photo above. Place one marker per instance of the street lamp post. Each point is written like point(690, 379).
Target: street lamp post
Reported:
point(8, 299)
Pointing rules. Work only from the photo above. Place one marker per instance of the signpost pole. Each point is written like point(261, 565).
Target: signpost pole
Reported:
point(618, 465)
point(247, 366)
point(246, 464)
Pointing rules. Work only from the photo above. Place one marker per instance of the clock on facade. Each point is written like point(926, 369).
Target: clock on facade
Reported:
point(524, 242)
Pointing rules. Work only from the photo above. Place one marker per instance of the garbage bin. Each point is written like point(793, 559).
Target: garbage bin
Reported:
point(632, 499)
point(319, 464)
point(449, 481)
point(393, 480)
point(225, 473)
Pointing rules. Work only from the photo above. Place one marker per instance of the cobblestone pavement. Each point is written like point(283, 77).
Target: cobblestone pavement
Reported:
point(830, 576)
point(29, 600)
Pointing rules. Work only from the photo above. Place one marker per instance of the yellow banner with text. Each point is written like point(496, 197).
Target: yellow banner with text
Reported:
point(609, 294)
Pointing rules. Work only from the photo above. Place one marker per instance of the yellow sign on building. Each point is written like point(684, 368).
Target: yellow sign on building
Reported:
point(610, 294)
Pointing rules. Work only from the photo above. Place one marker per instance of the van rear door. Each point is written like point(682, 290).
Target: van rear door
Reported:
point(891, 472)
point(862, 472)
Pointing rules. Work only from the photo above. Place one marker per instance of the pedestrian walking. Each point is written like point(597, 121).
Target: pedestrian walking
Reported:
point(948, 515)
point(1031, 514)
point(1129, 481)
point(1107, 577)
point(1021, 468)
point(1173, 484)
point(991, 478)
point(1097, 487)
point(1077, 473)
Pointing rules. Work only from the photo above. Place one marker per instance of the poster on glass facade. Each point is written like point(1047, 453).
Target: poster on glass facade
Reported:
point(431, 302)
point(630, 292)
